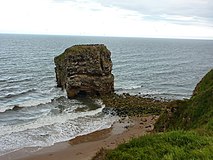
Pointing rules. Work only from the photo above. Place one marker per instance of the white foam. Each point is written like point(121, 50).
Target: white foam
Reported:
point(47, 120)
point(61, 131)
point(3, 109)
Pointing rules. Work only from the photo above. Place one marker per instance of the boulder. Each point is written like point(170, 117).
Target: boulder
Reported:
point(85, 70)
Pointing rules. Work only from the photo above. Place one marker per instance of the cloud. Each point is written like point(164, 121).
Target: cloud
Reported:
point(108, 18)
point(183, 9)
point(200, 8)
point(184, 12)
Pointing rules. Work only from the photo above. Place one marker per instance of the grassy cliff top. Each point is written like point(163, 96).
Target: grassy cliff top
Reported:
point(175, 145)
point(194, 115)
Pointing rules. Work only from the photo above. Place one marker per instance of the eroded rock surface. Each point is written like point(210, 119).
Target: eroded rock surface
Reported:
point(85, 69)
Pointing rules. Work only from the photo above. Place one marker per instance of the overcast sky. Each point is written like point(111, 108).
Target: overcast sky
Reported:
point(125, 18)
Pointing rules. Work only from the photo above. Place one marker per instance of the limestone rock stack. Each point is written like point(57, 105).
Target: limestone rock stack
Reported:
point(85, 69)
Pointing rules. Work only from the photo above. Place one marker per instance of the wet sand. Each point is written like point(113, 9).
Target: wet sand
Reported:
point(86, 146)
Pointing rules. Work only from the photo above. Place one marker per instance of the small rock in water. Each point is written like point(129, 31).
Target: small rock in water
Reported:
point(16, 107)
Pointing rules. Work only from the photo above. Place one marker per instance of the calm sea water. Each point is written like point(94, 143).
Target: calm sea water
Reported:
point(160, 67)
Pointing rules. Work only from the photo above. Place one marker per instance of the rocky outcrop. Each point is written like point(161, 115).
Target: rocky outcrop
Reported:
point(85, 69)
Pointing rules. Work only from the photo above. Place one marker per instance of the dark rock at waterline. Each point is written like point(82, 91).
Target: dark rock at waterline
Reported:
point(85, 70)
point(15, 108)
point(109, 110)
point(130, 105)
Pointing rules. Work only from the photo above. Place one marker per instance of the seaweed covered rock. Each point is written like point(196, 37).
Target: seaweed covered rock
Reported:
point(132, 105)
point(85, 69)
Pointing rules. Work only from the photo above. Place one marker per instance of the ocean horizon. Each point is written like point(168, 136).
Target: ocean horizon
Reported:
point(166, 68)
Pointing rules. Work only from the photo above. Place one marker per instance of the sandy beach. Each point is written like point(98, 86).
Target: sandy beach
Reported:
point(86, 146)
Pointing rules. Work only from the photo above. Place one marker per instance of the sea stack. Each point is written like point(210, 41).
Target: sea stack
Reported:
point(85, 70)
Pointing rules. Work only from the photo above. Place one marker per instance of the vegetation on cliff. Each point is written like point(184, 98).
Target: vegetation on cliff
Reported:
point(187, 126)
point(164, 146)
point(195, 113)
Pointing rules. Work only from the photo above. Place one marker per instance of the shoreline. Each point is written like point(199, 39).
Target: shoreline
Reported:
point(86, 146)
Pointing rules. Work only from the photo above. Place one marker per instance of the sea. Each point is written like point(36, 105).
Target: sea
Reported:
point(166, 68)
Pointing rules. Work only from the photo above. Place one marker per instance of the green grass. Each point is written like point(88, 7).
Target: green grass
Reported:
point(188, 131)
point(196, 113)
point(205, 84)
point(164, 146)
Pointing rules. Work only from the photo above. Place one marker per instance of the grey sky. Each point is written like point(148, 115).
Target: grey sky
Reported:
point(201, 10)
point(137, 18)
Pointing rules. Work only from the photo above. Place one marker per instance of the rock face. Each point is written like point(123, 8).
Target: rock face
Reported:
point(85, 69)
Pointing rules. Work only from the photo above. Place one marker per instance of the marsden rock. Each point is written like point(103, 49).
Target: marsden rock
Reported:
point(85, 69)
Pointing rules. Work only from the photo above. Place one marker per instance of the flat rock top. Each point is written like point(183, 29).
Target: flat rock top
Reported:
point(86, 59)
point(80, 49)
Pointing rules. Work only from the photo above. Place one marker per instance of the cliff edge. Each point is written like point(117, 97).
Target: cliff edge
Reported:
point(197, 112)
